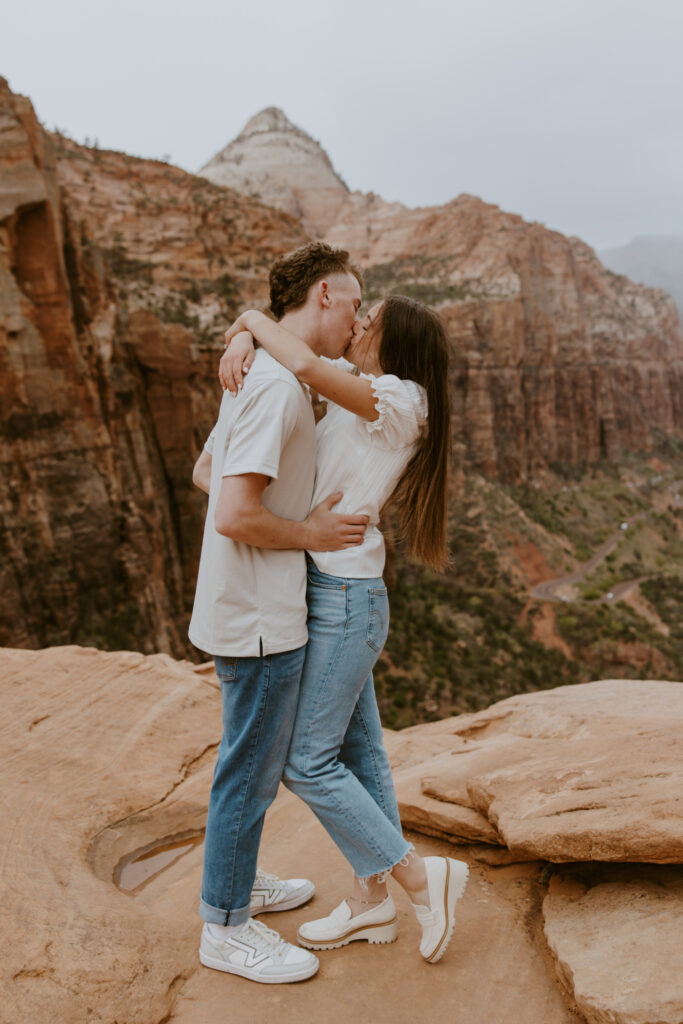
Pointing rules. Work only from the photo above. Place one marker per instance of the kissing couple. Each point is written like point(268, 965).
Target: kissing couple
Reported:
point(291, 603)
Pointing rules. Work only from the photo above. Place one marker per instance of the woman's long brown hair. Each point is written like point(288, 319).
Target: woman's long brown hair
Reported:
point(414, 347)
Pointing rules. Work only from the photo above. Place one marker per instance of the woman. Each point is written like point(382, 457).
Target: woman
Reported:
point(385, 433)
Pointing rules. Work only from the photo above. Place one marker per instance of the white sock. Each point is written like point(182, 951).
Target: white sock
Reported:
point(224, 931)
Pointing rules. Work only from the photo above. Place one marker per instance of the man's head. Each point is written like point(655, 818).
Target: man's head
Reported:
point(319, 285)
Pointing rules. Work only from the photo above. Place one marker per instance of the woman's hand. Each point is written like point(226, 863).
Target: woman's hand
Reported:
point(236, 360)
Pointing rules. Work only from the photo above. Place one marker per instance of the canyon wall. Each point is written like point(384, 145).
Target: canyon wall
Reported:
point(107, 382)
point(117, 277)
point(557, 359)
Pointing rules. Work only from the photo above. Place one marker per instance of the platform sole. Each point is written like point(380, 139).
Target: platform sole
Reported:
point(375, 934)
point(457, 873)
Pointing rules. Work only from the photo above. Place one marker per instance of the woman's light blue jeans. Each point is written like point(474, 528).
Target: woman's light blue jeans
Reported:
point(337, 762)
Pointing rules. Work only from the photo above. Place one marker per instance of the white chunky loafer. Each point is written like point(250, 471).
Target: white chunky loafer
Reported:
point(376, 925)
point(446, 880)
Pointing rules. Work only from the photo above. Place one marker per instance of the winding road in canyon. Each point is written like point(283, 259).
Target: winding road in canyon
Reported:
point(549, 590)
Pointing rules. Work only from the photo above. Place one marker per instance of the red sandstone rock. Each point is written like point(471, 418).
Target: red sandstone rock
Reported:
point(108, 380)
point(117, 277)
point(615, 934)
point(578, 773)
point(108, 754)
point(557, 358)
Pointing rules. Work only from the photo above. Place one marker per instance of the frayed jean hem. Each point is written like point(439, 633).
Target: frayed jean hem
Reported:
point(383, 872)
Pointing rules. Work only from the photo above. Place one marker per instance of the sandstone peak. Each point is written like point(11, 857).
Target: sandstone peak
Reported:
point(270, 119)
point(273, 159)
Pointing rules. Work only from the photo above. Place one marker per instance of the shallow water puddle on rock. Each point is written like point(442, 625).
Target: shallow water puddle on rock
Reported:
point(139, 868)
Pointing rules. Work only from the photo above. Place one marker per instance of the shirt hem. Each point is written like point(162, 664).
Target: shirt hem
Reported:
point(353, 573)
point(255, 647)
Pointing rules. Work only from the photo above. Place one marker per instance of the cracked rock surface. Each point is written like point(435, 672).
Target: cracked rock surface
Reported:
point(109, 754)
point(616, 933)
point(587, 772)
point(97, 748)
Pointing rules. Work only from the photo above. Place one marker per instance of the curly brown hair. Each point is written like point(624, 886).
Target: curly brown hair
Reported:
point(292, 274)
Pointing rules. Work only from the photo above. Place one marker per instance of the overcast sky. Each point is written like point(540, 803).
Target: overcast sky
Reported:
point(570, 113)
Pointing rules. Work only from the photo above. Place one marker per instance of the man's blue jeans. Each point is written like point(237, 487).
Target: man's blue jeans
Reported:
point(260, 698)
point(337, 762)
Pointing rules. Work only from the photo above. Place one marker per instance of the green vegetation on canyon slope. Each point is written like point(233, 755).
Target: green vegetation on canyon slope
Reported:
point(461, 640)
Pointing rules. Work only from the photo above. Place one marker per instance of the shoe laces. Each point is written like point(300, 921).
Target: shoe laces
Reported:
point(267, 940)
point(266, 880)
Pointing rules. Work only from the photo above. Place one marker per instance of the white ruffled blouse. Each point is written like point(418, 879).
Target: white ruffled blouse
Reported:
point(366, 459)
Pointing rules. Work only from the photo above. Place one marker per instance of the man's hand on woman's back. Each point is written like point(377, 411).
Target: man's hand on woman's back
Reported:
point(332, 531)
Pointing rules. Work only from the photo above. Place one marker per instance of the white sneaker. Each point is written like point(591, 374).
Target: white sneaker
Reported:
point(338, 929)
point(258, 953)
point(272, 893)
point(446, 880)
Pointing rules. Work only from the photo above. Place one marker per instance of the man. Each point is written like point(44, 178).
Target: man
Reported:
point(250, 603)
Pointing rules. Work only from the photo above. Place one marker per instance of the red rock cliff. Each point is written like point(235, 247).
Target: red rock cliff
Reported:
point(117, 276)
point(557, 359)
point(107, 380)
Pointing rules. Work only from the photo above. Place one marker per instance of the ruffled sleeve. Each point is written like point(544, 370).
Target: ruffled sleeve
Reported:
point(402, 407)
point(341, 364)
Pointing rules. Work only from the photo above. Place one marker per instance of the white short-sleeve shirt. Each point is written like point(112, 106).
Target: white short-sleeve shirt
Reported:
point(366, 459)
point(252, 601)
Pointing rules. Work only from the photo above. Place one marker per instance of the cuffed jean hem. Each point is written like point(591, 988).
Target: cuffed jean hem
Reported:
point(214, 915)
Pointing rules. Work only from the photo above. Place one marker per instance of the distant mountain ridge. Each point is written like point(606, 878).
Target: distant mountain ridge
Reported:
point(654, 260)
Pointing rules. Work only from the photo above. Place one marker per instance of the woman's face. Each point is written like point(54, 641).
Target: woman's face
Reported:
point(363, 351)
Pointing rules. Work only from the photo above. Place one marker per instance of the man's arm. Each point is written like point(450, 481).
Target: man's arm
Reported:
point(241, 516)
point(201, 474)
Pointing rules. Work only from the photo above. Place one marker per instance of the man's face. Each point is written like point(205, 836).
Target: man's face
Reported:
point(340, 314)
